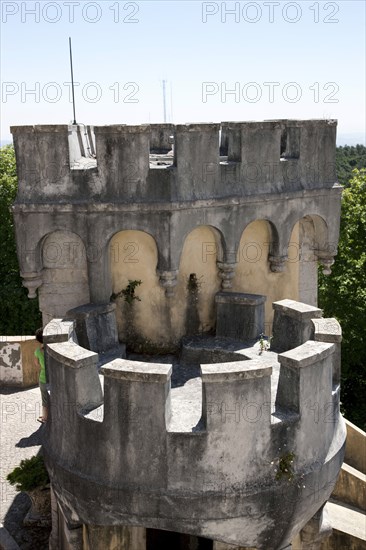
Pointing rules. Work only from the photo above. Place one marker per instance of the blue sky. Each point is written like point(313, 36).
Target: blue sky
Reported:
point(301, 59)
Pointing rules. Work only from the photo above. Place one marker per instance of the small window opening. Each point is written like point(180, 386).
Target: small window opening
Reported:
point(161, 146)
point(290, 143)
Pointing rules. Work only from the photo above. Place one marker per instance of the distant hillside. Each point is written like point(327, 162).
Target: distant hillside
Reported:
point(347, 159)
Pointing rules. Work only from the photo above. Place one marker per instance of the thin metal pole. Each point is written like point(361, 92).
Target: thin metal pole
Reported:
point(164, 100)
point(72, 82)
point(171, 102)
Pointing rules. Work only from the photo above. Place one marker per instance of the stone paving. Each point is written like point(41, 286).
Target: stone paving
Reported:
point(20, 437)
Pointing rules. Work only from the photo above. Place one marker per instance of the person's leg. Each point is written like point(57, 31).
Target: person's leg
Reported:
point(45, 401)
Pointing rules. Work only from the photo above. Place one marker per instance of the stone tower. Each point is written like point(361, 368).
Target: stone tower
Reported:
point(185, 243)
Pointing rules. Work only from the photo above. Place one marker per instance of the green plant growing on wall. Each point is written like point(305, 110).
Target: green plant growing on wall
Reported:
point(128, 292)
point(285, 467)
point(264, 344)
point(29, 475)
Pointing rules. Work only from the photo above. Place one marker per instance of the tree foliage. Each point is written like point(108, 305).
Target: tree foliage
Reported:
point(348, 159)
point(19, 315)
point(343, 295)
point(29, 475)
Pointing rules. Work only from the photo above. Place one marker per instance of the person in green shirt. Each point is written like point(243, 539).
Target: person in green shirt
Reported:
point(39, 362)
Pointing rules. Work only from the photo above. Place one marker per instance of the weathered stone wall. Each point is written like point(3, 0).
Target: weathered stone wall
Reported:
point(255, 164)
point(198, 212)
point(64, 274)
point(17, 367)
point(226, 479)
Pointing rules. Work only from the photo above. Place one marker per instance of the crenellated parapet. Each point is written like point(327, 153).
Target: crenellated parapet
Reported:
point(115, 162)
point(268, 432)
point(307, 156)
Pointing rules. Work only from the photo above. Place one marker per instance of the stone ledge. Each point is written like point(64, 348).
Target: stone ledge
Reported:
point(348, 527)
point(198, 127)
point(57, 331)
point(233, 371)
point(135, 371)
point(121, 129)
point(47, 128)
point(297, 310)
point(72, 355)
point(15, 339)
point(306, 355)
point(228, 200)
point(327, 330)
point(90, 310)
point(239, 298)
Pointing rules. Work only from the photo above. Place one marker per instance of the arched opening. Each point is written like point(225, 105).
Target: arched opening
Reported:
point(64, 275)
point(253, 274)
point(198, 281)
point(313, 240)
point(141, 306)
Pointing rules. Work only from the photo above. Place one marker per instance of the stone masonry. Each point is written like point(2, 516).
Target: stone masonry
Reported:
point(222, 441)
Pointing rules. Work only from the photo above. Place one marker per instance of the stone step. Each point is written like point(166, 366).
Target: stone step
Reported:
point(351, 487)
point(355, 447)
point(349, 528)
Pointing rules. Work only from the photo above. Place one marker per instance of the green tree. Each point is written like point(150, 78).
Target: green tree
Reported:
point(343, 295)
point(347, 159)
point(19, 315)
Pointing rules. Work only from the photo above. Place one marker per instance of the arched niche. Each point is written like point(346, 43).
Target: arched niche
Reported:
point(253, 272)
point(313, 245)
point(64, 274)
point(142, 322)
point(198, 281)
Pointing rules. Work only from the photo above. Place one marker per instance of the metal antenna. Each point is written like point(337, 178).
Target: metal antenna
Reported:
point(171, 102)
point(164, 99)
point(72, 82)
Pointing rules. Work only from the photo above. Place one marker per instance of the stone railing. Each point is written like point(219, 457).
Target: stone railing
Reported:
point(252, 452)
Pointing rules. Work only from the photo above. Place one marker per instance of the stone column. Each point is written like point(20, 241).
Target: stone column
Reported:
point(99, 276)
point(31, 281)
point(308, 266)
point(326, 260)
point(168, 280)
point(226, 274)
point(277, 263)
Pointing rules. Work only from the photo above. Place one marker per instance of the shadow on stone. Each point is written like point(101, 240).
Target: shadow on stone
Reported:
point(28, 538)
point(34, 440)
point(10, 390)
